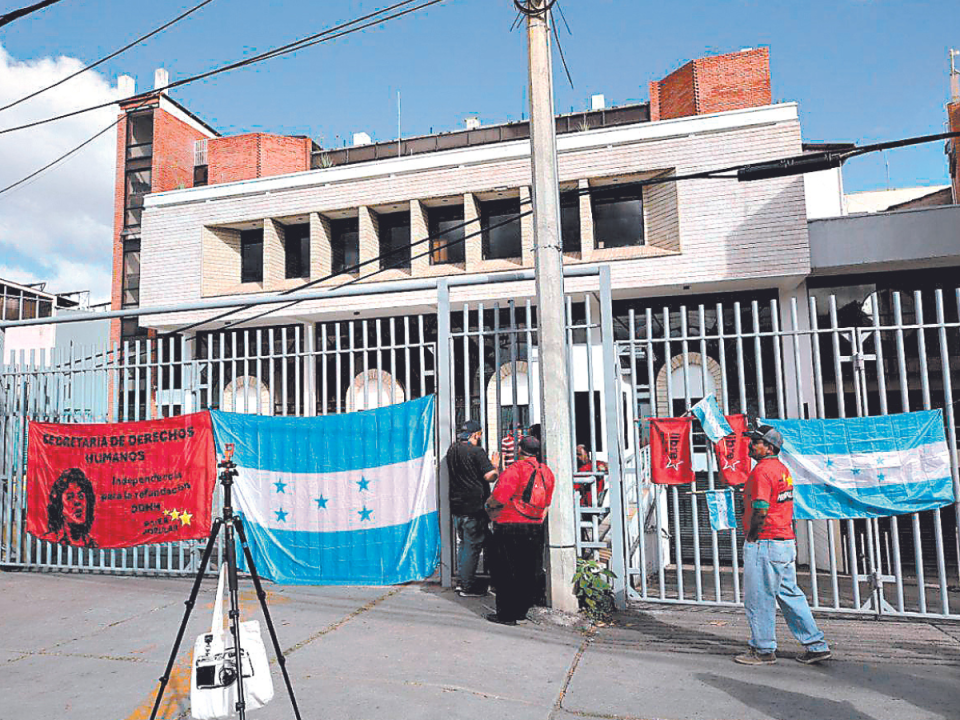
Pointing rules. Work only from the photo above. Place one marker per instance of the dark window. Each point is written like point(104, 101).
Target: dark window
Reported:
point(581, 419)
point(29, 308)
point(46, 308)
point(345, 237)
point(446, 227)
point(139, 135)
point(296, 247)
point(617, 216)
point(395, 240)
point(570, 220)
point(199, 175)
point(251, 255)
point(138, 185)
point(500, 222)
point(11, 308)
point(131, 273)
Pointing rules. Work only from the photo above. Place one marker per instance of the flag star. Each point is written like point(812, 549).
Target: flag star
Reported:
point(281, 515)
point(881, 477)
point(856, 471)
point(364, 484)
point(175, 514)
point(364, 514)
point(322, 502)
point(829, 462)
point(280, 485)
point(185, 518)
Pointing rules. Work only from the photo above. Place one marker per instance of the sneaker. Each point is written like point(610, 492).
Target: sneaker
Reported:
point(812, 657)
point(494, 618)
point(465, 593)
point(755, 657)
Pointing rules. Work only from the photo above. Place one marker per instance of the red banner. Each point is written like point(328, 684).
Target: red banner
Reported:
point(670, 459)
point(733, 452)
point(114, 485)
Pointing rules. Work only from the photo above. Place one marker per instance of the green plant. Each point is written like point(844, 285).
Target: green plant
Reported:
point(591, 585)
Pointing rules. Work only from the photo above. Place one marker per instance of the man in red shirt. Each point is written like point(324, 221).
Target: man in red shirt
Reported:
point(518, 506)
point(770, 556)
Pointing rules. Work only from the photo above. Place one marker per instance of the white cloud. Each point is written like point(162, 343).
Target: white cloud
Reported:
point(57, 227)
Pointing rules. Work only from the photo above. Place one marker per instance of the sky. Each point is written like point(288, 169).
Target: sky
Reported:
point(861, 70)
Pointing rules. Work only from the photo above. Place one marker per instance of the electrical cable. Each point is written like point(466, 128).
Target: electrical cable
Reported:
point(314, 39)
point(327, 35)
point(112, 55)
point(9, 17)
point(524, 6)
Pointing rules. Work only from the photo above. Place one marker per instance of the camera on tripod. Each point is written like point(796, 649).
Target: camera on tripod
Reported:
point(219, 669)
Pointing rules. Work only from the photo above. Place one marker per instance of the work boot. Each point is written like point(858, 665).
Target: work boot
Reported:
point(812, 657)
point(755, 657)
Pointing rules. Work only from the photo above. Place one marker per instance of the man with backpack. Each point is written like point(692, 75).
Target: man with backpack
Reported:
point(518, 506)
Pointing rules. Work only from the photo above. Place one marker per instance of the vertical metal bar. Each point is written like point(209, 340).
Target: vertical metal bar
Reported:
point(948, 404)
point(758, 359)
point(272, 372)
point(366, 365)
point(655, 412)
point(711, 482)
point(741, 370)
point(465, 314)
point(481, 356)
point(284, 370)
point(497, 377)
point(571, 394)
point(725, 399)
point(394, 374)
point(258, 368)
point(688, 401)
point(352, 378)
point(777, 357)
point(927, 405)
point(514, 380)
point(423, 361)
point(678, 546)
point(339, 368)
point(820, 411)
point(533, 399)
point(324, 354)
point(618, 561)
point(636, 434)
point(446, 417)
point(379, 339)
point(298, 368)
point(406, 357)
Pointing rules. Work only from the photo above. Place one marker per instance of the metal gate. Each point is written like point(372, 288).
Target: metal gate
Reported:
point(799, 360)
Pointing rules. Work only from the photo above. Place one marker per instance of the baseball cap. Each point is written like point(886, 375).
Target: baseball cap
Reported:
point(468, 428)
point(768, 434)
point(530, 446)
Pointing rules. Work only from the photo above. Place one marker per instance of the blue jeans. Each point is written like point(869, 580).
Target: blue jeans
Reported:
point(472, 531)
point(770, 579)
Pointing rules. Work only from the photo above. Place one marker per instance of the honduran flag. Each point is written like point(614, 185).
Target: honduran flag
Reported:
point(867, 467)
point(338, 499)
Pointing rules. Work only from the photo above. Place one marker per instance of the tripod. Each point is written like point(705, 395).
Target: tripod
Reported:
point(230, 523)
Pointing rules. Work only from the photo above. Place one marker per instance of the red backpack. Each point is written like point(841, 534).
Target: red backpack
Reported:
point(532, 502)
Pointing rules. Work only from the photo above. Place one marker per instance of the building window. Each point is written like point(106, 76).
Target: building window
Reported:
point(138, 185)
point(296, 247)
point(199, 175)
point(29, 308)
point(395, 240)
point(140, 135)
point(46, 308)
point(500, 222)
point(617, 216)
point(131, 273)
point(345, 238)
point(251, 255)
point(570, 220)
point(446, 234)
point(11, 307)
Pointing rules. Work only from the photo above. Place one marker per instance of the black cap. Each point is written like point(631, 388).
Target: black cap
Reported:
point(535, 430)
point(468, 428)
point(530, 446)
point(768, 434)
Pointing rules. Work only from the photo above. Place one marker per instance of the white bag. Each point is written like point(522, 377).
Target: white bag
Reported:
point(213, 681)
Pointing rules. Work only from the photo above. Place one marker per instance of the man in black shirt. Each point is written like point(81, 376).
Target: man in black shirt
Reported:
point(471, 473)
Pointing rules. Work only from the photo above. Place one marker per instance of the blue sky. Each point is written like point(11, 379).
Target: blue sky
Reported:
point(862, 70)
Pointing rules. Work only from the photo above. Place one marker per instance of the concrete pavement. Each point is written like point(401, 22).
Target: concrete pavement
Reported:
point(90, 647)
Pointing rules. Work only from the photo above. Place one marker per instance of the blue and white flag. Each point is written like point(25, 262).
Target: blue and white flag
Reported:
point(867, 467)
point(723, 514)
point(338, 499)
point(715, 425)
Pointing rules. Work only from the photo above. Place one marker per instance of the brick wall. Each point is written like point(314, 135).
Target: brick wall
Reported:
point(713, 84)
point(173, 143)
point(242, 157)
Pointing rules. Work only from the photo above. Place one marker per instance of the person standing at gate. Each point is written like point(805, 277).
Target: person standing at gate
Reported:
point(518, 506)
point(470, 472)
point(769, 558)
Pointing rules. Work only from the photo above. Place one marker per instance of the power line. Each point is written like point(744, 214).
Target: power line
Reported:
point(327, 35)
point(17, 14)
point(333, 33)
point(108, 57)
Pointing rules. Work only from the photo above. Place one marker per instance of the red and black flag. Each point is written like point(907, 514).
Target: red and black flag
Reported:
point(733, 452)
point(670, 457)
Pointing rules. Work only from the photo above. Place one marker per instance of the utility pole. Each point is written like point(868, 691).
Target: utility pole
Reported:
point(551, 323)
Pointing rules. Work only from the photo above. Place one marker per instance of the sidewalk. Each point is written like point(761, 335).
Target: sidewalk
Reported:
point(90, 647)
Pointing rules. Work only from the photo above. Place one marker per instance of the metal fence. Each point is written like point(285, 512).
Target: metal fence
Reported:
point(797, 361)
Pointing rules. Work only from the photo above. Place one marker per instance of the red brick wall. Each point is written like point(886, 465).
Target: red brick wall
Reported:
point(253, 155)
point(953, 148)
point(674, 96)
point(713, 84)
point(173, 143)
point(733, 81)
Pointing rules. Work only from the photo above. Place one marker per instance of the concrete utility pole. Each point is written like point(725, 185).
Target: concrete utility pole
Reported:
point(554, 379)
